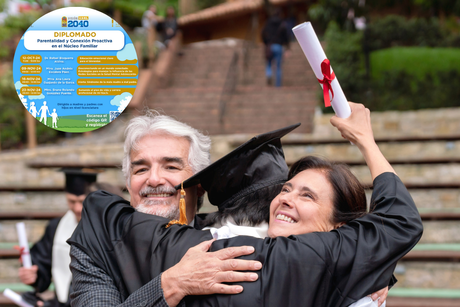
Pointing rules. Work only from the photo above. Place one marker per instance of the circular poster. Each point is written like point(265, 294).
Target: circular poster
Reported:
point(75, 69)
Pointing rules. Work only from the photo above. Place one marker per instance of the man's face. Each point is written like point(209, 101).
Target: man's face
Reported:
point(75, 204)
point(160, 163)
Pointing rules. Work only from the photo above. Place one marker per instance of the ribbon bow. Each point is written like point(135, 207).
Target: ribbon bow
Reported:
point(326, 82)
point(21, 251)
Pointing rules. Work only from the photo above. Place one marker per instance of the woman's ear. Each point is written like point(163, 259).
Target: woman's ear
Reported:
point(339, 225)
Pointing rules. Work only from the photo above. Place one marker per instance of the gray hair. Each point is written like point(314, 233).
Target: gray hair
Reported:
point(152, 122)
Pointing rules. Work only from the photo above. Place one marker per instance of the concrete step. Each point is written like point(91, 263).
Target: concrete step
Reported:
point(413, 151)
point(428, 275)
point(417, 174)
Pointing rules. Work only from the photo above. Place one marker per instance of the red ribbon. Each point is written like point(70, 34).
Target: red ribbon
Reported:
point(21, 252)
point(326, 82)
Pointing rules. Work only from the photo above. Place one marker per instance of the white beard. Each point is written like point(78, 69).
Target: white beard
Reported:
point(170, 212)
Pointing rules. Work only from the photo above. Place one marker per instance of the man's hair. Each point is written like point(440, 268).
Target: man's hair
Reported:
point(249, 210)
point(153, 122)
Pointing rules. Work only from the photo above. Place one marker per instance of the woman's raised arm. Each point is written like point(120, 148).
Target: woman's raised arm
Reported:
point(358, 130)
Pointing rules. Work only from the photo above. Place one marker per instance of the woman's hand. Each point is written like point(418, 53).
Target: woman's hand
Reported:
point(381, 295)
point(357, 127)
point(358, 130)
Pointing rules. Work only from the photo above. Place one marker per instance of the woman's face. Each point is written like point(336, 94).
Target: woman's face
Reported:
point(304, 205)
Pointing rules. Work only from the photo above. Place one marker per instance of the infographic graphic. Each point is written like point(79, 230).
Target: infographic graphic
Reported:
point(75, 69)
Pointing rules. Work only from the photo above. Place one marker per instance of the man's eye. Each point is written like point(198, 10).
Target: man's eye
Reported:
point(139, 170)
point(307, 195)
point(172, 167)
point(285, 190)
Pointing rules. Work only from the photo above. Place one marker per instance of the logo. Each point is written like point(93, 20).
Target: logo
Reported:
point(64, 22)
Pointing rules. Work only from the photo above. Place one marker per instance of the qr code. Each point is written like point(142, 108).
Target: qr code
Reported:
point(114, 114)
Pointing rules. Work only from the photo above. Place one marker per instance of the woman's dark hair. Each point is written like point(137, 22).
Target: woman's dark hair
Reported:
point(249, 210)
point(349, 199)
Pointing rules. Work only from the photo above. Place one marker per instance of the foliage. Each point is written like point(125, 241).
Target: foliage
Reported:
point(399, 90)
point(132, 11)
point(203, 4)
point(20, 23)
point(5, 34)
point(14, 25)
point(418, 62)
point(345, 53)
point(403, 78)
point(325, 11)
point(12, 127)
point(395, 30)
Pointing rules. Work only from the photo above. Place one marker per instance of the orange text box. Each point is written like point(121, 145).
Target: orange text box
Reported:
point(31, 69)
point(104, 91)
point(107, 81)
point(107, 71)
point(31, 79)
point(31, 90)
point(31, 58)
point(103, 60)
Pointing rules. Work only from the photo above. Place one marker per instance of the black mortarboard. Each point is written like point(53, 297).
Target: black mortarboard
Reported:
point(256, 164)
point(78, 180)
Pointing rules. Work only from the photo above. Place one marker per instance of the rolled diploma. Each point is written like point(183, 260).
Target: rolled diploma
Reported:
point(22, 236)
point(312, 49)
point(16, 298)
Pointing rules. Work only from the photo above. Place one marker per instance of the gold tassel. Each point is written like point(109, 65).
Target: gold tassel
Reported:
point(182, 209)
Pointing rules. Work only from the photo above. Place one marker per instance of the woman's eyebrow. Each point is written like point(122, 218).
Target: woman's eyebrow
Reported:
point(307, 189)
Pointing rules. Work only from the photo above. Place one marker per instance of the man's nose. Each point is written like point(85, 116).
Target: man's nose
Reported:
point(156, 178)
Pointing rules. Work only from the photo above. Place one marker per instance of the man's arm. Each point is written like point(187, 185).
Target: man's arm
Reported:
point(197, 273)
point(92, 287)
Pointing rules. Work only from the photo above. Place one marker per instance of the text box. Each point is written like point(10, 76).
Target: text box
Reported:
point(31, 69)
point(107, 71)
point(31, 79)
point(31, 90)
point(31, 58)
point(107, 81)
point(104, 91)
point(103, 60)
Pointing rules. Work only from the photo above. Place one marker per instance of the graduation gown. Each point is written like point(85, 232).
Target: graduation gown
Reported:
point(41, 254)
point(317, 269)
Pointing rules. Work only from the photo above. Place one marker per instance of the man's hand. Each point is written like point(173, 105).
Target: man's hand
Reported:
point(200, 272)
point(28, 276)
point(381, 295)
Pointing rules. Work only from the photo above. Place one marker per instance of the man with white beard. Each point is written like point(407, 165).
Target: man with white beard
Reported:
point(160, 153)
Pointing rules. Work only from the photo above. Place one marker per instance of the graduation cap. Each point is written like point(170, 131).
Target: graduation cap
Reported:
point(256, 164)
point(78, 180)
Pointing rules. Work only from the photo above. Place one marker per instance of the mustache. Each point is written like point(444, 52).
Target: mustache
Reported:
point(161, 189)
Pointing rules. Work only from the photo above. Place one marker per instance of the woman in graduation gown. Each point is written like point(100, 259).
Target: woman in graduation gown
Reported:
point(331, 268)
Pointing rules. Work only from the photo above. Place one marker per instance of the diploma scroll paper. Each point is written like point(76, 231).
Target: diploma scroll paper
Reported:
point(22, 236)
point(312, 49)
point(16, 298)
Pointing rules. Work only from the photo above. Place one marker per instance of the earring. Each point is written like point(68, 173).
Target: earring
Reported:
point(182, 209)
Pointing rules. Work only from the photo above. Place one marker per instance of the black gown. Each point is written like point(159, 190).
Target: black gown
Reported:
point(317, 269)
point(41, 254)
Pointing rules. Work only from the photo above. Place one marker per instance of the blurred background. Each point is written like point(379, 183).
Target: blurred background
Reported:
point(204, 62)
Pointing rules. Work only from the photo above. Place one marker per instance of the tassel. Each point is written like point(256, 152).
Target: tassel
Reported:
point(182, 209)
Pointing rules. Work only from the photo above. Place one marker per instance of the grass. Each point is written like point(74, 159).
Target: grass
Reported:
point(417, 61)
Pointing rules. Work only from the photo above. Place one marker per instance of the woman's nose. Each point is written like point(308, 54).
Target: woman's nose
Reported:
point(286, 200)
